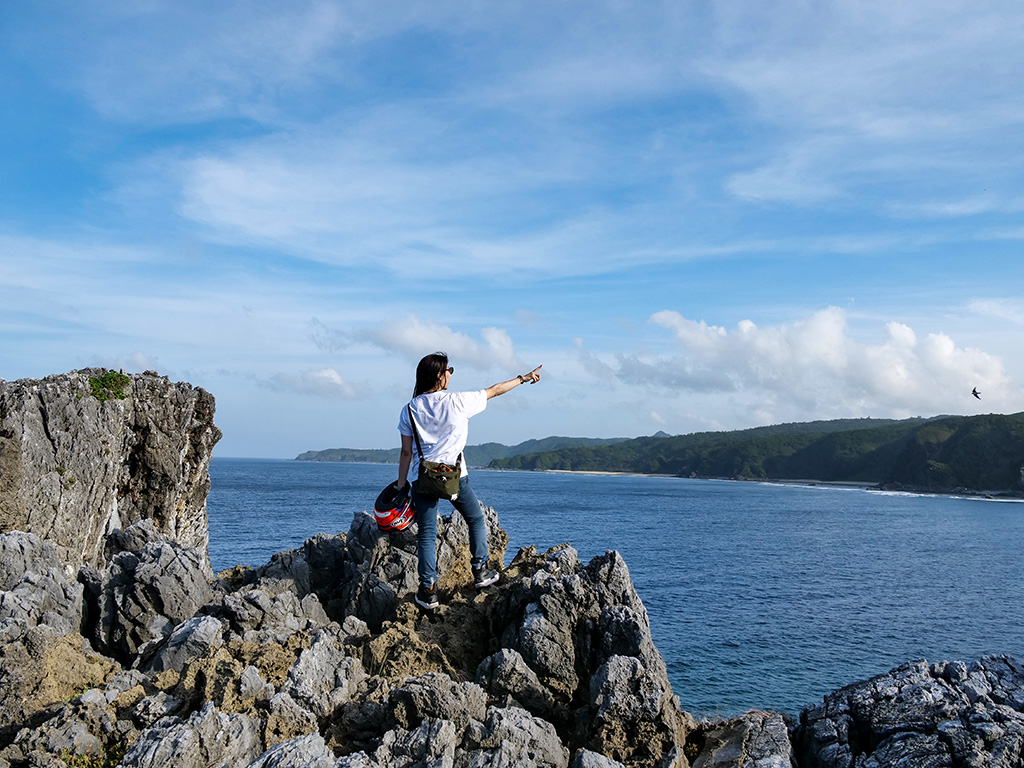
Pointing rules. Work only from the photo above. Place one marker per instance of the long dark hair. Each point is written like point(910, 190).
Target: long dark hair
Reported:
point(429, 371)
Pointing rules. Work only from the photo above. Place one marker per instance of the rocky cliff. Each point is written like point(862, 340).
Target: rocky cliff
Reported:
point(91, 451)
point(320, 657)
point(142, 657)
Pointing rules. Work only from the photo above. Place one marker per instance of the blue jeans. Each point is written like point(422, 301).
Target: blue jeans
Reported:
point(426, 539)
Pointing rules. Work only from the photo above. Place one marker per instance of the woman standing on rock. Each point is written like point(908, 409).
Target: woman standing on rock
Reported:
point(436, 421)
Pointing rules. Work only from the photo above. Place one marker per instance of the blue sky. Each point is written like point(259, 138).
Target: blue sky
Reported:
point(697, 216)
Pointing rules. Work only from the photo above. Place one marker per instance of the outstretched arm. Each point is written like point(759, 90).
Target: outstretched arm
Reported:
point(502, 387)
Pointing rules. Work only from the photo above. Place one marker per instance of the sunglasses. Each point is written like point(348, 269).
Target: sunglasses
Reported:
point(450, 370)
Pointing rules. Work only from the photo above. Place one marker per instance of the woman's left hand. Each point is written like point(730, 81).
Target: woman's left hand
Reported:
point(533, 376)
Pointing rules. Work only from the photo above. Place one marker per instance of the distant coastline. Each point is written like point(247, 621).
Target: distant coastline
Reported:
point(965, 455)
point(853, 484)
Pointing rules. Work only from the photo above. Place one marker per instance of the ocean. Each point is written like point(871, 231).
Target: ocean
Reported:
point(760, 596)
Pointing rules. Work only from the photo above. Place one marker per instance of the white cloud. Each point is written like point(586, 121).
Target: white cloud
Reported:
point(816, 368)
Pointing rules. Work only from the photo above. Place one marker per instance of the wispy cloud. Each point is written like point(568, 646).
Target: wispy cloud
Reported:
point(326, 383)
point(874, 90)
point(412, 338)
point(1009, 310)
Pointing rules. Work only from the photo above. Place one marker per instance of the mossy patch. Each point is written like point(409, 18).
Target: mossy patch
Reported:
point(109, 386)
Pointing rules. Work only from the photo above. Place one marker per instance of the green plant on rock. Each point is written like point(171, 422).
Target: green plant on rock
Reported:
point(109, 386)
point(106, 759)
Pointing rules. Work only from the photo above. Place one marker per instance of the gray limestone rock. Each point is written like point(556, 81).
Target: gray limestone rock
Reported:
point(585, 634)
point(919, 716)
point(143, 595)
point(133, 538)
point(324, 677)
point(432, 743)
point(70, 731)
point(754, 740)
point(436, 696)
point(286, 572)
point(192, 639)
point(73, 467)
point(355, 760)
point(623, 690)
point(208, 739)
point(251, 684)
point(513, 738)
point(300, 752)
point(21, 553)
point(151, 709)
point(506, 675)
point(35, 585)
point(45, 598)
point(587, 759)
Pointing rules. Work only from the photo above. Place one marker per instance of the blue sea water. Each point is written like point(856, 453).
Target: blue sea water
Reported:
point(759, 595)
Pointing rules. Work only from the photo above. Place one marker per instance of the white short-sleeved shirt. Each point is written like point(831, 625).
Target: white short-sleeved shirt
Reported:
point(442, 422)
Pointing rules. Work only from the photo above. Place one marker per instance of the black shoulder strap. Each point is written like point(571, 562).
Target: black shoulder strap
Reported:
point(415, 432)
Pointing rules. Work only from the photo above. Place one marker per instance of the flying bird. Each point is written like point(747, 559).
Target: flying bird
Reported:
point(976, 393)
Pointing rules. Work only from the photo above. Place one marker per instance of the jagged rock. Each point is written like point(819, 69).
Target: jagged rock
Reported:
point(286, 572)
point(626, 698)
point(585, 633)
point(506, 674)
point(208, 738)
point(513, 738)
point(151, 709)
point(256, 611)
point(192, 639)
point(587, 759)
point(357, 760)
point(324, 677)
point(132, 539)
point(74, 468)
point(755, 740)
point(40, 667)
point(251, 684)
point(143, 595)
point(123, 681)
point(35, 585)
point(438, 697)
point(308, 751)
point(22, 553)
point(919, 716)
point(432, 743)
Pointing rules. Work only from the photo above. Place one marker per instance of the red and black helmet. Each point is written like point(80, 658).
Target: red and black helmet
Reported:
point(393, 508)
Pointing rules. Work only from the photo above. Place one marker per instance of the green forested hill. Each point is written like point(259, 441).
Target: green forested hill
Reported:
point(983, 453)
point(476, 455)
